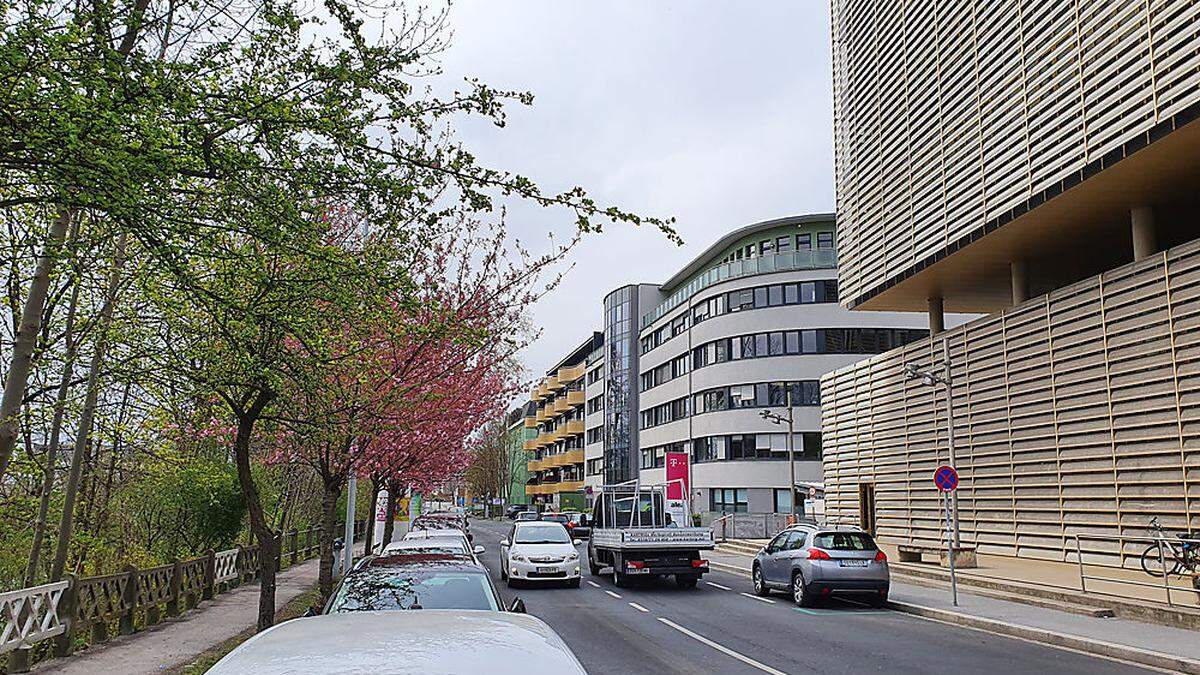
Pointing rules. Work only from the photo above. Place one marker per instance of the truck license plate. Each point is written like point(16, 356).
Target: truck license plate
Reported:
point(852, 563)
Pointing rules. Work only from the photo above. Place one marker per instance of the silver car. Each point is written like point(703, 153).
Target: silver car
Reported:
point(814, 563)
point(428, 642)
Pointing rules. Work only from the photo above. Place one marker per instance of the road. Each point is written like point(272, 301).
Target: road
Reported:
point(720, 627)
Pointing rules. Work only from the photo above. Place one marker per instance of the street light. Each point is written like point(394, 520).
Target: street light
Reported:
point(776, 418)
point(912, 372)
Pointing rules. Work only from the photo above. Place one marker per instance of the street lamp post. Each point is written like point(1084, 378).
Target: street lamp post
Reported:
point(933, 379)
point(776, 418)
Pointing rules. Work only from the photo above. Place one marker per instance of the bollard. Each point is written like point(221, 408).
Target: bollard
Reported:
point(18, 660)
point(176, 585)
point(129, 600)
point(308, 542)
point(68, 609)
point(293, 537)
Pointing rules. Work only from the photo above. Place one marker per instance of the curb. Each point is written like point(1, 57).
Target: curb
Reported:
point(1109, 650)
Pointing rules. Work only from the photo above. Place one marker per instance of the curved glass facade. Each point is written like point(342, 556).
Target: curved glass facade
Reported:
point(620, 367)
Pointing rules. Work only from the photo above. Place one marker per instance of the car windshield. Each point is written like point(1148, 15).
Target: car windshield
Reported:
point(443, 545)
point(542, 534)
point(844, 541)
point(376, 589)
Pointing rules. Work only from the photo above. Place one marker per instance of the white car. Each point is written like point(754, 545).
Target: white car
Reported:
point(443, 536)
point(539, 551)
point(431, 546)
point(429, 641)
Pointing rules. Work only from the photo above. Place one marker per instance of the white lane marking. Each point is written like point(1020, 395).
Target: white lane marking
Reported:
point(613, 594)
point(721, 648)
point(724, 588)
point(594, 584)
point(755, 597)
point(638, 607)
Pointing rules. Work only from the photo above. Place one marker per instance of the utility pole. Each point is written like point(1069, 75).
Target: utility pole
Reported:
point(933, 379)
point(791, 442)
point(348, 550)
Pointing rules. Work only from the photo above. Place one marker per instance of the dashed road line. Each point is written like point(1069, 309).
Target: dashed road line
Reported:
point(638, 607)
point(613, 594)
point(724, 588)
point(755, 597)
point(721, 648)
point(594, 584)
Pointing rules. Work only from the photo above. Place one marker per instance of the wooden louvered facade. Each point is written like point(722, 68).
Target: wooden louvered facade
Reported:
point(1075, 412)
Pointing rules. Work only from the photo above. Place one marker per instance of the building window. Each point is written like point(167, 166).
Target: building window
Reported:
point(766, 247)
point(783, 244)
point(804, 242)
point(825, 240)
point(783, 501)
point(730, 500)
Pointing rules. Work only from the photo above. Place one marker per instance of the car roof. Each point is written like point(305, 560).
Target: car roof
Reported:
point(428, 641)
point(425, 543)
point(438, 560)
point(434, 534)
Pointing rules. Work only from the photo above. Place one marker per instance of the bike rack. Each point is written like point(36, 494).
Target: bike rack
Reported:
point(1121, 540)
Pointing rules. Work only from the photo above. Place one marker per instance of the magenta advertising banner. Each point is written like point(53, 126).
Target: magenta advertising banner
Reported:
point(677, 475)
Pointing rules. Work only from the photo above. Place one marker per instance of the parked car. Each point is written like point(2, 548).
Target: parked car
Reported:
point(814, 563)
point(527, 516)
point(415, 581)
point(512, 510)
point(539, 551)
point(430, 641)
point(432, 545)
point(579, 525)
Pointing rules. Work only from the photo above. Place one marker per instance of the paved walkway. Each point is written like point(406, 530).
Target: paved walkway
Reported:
point(1126, 633)
point(178, 641)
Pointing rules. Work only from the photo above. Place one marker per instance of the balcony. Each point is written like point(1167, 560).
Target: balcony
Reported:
point(576, 397)
point(535, 464)
point(563, 459)
point(531, 422)
point(552, 384)
point(566, 486)
point(544, 439)
point(572, 428)
point(531, 444)
point(543, 415)
point(569, 375)
point(562, 404)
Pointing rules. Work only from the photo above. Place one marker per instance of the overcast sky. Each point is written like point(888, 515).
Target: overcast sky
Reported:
point(717, 113)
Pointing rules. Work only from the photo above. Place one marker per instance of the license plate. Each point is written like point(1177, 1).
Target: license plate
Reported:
point(547, 569)
point(852, 563)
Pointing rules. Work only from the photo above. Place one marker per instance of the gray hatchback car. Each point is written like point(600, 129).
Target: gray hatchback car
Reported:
point(814, 563)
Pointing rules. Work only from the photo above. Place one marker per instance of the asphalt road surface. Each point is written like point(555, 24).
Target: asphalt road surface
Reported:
point(720, 627)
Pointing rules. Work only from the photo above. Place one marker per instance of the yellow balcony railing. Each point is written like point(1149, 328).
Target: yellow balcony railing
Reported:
point(572, 428)
point(531, 422)
point(575, 397)
point(568, 486)
point(535, 464)
point(531, 444)
point(543, 415)
point(561, 405)
point(569, 375)
point(544, 439)
point(551, 383)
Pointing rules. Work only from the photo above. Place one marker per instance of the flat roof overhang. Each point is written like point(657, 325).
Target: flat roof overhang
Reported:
point(1078, 228)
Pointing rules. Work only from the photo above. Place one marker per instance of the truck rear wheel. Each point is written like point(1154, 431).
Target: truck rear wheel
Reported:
point(593, 566)
point(686, 580)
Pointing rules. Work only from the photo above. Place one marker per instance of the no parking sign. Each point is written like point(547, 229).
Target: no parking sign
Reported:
point(946, 478)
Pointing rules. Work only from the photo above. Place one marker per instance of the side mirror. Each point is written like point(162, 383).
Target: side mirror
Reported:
point(470, 537)
point(517, 606)
point(504, 542)
point(576, 542)
point(311, 611)
point(478, 550)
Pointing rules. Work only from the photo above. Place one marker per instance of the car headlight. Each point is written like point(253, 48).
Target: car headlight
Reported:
point(519, 558)
point(573, 556)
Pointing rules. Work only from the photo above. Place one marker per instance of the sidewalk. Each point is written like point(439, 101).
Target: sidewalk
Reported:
point(1147, 644)
point(180, 640)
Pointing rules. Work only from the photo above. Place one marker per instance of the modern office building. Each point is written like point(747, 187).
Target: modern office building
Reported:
point(749, 325)
point(1039, 163)
point(556, 453)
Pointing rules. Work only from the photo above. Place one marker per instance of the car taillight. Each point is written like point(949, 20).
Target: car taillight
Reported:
point(880, 556)
point(570, 525)
point(700, 562)
point(818, 554)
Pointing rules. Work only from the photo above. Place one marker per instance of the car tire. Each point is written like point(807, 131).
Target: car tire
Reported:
point(880, 600)
point(573, 583)
point(686, 581)
point(510, 582)
point(503, 572)
point(800, 594)
point(760, 584)
point(593, 566)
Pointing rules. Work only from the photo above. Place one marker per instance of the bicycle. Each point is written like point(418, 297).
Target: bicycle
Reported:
point(1172, 554)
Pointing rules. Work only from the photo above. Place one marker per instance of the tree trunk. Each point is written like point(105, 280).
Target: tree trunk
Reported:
point(369, 536)
point(389, 525)
point(329, 522)
point(87, 416)
point(25, 341)
point(60, 404)
point(258, 520)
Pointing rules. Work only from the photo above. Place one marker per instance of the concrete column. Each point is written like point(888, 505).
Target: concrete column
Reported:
point(1144, 242)
point(1020, 281)
point(937, 317)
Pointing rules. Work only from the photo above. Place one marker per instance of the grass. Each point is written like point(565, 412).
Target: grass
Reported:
point(296, 607)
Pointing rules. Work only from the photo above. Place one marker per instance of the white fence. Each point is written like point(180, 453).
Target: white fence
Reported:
point(30, 615)
point(226, 567)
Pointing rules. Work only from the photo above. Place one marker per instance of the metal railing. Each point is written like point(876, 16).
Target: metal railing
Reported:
point(133, 598)
point(1161, 551)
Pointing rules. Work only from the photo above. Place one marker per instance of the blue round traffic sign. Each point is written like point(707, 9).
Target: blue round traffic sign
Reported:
point(946, 478)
